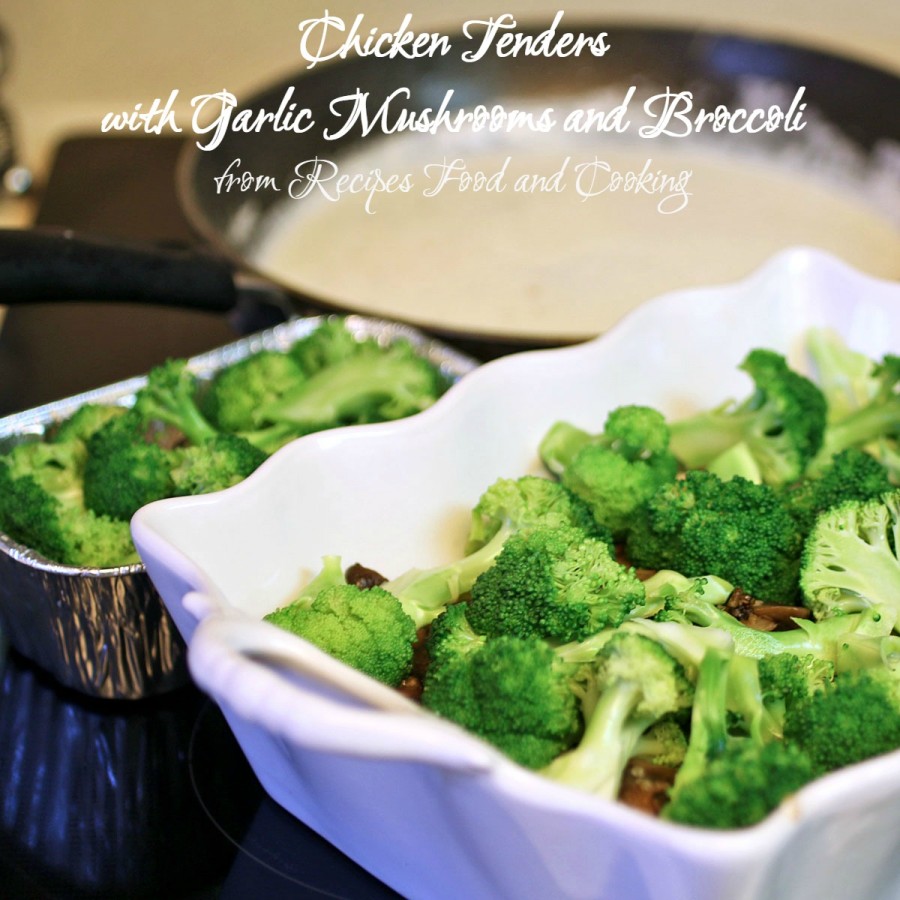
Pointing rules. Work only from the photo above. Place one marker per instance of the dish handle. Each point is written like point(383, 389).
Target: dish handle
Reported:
point(294, 690)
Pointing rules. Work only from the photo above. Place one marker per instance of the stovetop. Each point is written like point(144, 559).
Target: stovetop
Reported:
point(150, 798)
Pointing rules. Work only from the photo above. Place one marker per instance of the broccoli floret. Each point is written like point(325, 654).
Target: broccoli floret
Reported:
point(170, 397)
point(87, 419)
point(556, 583)
point(511, 504)
point(235, 393)
point(451, 635)
point(781, 423)
point(852, 474)
point(424, 593)
point(513, 692)
point(28, 514)
point(328, 343)
point(848, 642)
point(615, 471)
point(664, 743)
point(852, 718)
point(850, 559)
point(42, 507)
point(710, 725)
point(638, 683)
point(123, 471)
point(741, 786)
point(724, 780)
point(374, 385)
point(366, 629)
point(127, 467)
point(95, 542)
point(736, 529)
point(55, 467)
point(879, 418)
point(505, 508)
point(844, 375)
point(788, 678)
point(633, 431)
point(729, 705)
point(217, 464)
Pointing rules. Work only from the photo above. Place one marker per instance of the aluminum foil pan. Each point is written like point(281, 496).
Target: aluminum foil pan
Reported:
point(105, 632)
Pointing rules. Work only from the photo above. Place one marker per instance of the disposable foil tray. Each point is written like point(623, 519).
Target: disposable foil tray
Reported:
point(105, 632)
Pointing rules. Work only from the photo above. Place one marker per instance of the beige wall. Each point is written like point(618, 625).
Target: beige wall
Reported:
point(73, 60)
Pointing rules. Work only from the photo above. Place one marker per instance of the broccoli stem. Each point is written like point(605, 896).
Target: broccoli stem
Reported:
point(329, 575)
point(424, 594)
point(560, 445)
point(856, 430)
point(701, 438)
point(273, 437)
point(338, 391)
point(709, 718)
point(609, 740)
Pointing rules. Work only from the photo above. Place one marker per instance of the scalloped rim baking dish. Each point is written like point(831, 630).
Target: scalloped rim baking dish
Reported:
point(427, 808)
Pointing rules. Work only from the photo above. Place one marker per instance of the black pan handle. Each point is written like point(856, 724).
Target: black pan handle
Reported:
point(42, 265)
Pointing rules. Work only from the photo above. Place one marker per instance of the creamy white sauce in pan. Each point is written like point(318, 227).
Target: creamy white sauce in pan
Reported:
point(556, 264)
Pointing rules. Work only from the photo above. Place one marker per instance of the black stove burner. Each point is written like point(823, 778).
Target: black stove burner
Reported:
point(145, 799)
point(278, 856)
point(97, 798)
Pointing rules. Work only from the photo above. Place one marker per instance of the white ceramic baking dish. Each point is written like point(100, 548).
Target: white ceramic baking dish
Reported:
point(432, 811)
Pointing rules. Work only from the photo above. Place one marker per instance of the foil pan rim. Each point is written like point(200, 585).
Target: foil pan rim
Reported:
point(105, 632)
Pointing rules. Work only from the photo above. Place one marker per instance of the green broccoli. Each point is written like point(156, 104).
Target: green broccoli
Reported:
point(42, 507)
point(374, 385)
point(330, 342)
point(879, 418)
point(451, 635)
point(55, 466)
point(852, 718)
point(511, 504)
point(637, 684)
point(781, 422)
point(735, 769)
point(87, 419)
point(515, 693)
point(234, 393)
point(736, 529)
point(664, 743)
point(614, 472)
point(852, 474)
point(845, 376)
point(850, 560)
point(556, 583)
point(505, 508)
point(170, 397)
point(711, 720)
point(216, 464)
point(788, 678)
point(741, 786)
point(848, 642)
point(366, 629)
point(124, 471)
